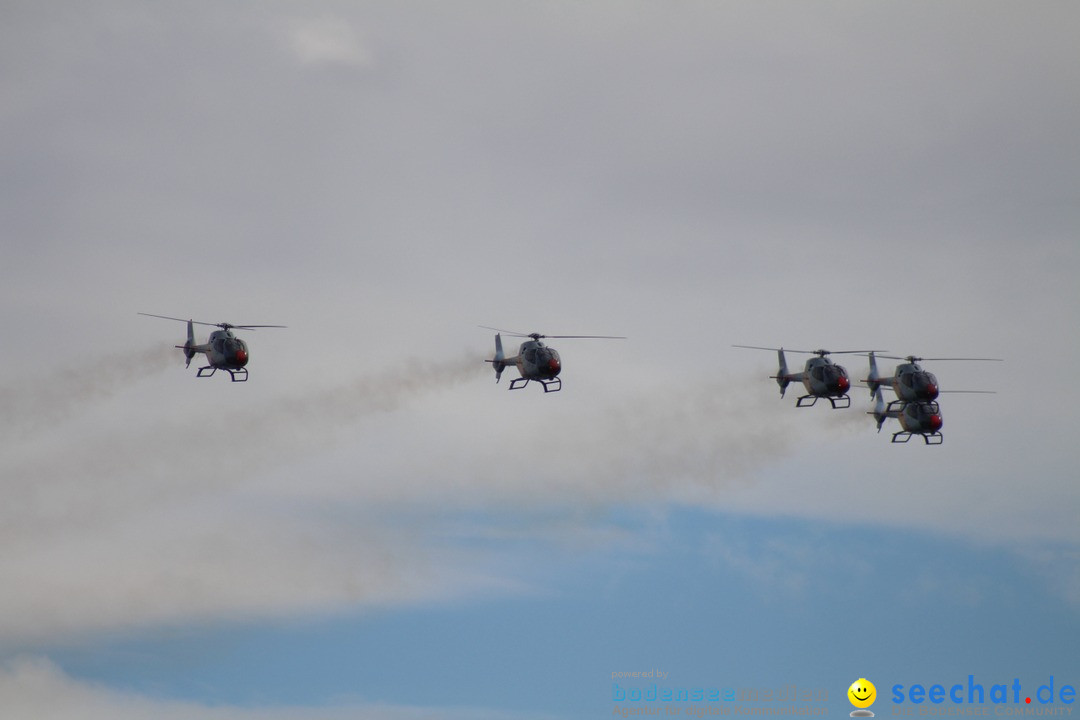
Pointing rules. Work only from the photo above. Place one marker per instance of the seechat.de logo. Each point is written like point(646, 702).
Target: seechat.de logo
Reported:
point(978, 693)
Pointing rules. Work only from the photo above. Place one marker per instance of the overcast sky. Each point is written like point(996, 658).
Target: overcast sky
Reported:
point(371, 527)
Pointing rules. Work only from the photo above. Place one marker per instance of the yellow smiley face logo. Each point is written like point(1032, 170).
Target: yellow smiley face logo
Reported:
point(862, 693)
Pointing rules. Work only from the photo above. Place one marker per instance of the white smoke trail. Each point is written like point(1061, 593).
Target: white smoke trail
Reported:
point(40, 401)
point(154, 524)
point(173, 520)
point(96, 478)
point(688, 444)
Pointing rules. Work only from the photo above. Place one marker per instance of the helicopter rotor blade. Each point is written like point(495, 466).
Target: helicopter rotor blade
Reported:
point(758, 347)
point(822, 353)
point(920, 359)
point(802, 352)
point(224, 326)
point(913, 358)
point(508, 332)
point(851, 352)
point(166, 317)
point(601, 337)
point(539, 335)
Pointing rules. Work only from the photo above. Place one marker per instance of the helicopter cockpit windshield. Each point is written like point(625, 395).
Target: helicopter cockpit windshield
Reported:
point(926, 409)
point(832, 373)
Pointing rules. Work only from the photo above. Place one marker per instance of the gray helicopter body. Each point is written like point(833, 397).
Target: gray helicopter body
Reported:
point(909, 381)
point(912, 383)
point(821, 377)
point(534, 361)
point(921, 418)
point(223, 350)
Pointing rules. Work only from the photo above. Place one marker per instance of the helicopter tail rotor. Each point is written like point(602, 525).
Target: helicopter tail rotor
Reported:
point(189, 346)
point(879, 408)
point(499, 361)
point(874, 380)
point(782, 378)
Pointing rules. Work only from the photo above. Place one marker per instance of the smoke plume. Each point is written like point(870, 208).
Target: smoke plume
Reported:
point(39, 401)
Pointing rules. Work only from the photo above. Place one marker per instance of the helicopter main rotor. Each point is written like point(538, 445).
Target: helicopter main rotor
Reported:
point(914, 359)
point(538, 336)
point(819, 353)
point(222, 325)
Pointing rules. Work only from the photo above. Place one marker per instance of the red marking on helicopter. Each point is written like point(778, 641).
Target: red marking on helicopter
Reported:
point(241, 357)
point(935, 422)
point(843, 383)
point(553, 365)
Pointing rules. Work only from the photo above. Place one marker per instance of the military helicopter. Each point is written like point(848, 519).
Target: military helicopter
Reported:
point(821, 377)
point(910, 382)
point(918, 417)
point(534, 361)
point(223, 350)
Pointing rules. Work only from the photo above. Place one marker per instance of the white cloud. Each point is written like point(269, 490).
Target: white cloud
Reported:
point(328, 41)
point(216, 560)
point(34, 687)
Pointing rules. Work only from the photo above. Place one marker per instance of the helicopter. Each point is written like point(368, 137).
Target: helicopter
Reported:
point(535, 360)
point(917, 417)
point(223, 350)
point(910, 381)
point(821, 377)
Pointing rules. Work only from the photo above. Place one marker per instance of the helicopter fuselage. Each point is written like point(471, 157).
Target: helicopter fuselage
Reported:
point(536, 361)
point(913, 384)
point(823, 378)
point(916, 418)
point(225, 351)
point(922, 418)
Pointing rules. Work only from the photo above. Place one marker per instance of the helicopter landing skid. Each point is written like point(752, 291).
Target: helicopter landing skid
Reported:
point(844, 400)
point(895, 405)
point(240, 375)
point(934, 438)
point(549, 385)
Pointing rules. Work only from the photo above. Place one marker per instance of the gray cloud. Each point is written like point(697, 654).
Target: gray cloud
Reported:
point(383, 179)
